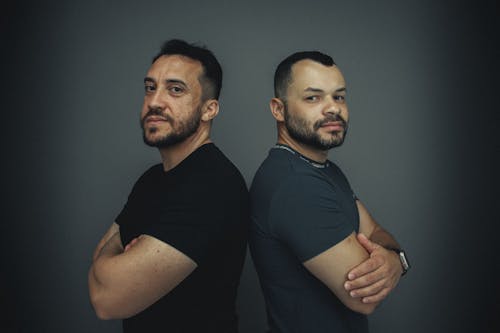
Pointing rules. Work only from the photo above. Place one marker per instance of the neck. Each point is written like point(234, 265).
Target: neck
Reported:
point(311, 153)
point(173, 155)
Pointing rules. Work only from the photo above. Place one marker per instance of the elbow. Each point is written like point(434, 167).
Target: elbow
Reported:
point(101, 309)
point(102, 313)
point(366, 310)
point(107, 307)
point(100, 303)
point(363, 308)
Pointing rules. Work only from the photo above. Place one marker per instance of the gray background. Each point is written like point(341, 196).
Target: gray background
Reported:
point(421, 151)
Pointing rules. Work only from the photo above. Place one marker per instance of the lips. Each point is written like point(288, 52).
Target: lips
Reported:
point(154, 119)
point(333, 125)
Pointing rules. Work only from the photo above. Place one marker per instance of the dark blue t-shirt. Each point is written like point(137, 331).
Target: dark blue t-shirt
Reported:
point(300, 210)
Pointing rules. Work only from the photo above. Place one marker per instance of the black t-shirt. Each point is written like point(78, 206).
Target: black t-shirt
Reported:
point(299, 211)
point(200, 207)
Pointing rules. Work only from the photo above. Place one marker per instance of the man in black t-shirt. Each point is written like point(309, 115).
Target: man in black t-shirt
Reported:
point(322, 261)
point(172, 260)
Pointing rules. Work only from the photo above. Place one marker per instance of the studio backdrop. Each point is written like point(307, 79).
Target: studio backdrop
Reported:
point(420, 152)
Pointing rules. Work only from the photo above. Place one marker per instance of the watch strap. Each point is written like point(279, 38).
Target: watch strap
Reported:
point(405, 264)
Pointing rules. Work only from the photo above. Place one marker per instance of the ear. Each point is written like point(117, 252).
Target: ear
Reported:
point(209, 110)
point(277, 109)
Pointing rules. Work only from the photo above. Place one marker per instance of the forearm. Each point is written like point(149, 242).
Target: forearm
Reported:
point(332, 265)
point(374, 279)
point(98, 277)
point(124, 283)
point(104, 240)
point(382, 237)
point(111, 248)
point(371, 229)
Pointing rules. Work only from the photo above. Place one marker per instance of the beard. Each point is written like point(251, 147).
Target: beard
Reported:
point(180, 130)
point(300, 130)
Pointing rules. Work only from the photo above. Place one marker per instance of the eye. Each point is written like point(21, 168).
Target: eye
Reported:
point(313, 98)
point(148, 88)
point(339, 98)
point(176, 90)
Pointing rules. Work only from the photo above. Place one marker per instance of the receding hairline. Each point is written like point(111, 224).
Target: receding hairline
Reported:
point(312, 62)
point(293, 68)
point(183, 58)
point(203, 80)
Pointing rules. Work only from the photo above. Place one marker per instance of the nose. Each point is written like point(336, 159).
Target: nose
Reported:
point(155, 101)
point(332, 107)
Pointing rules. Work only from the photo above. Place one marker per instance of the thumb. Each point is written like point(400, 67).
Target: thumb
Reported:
point(366, 243)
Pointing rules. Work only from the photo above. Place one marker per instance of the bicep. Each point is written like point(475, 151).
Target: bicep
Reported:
point(331, 268)
point(137, 278)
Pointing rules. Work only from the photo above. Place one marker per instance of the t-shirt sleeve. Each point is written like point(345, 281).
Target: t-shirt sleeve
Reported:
point(308, 216)
point(190, 220)
point(188, 228)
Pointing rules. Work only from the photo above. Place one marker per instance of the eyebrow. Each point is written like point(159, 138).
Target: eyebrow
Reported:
point(318, 90)
point(149, 79)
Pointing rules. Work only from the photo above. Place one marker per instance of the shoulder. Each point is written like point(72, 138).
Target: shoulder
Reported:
point(276, 167)
point(209, 159)
point(288, 186)
point(284, 172)
point(210, 174)
point(215, 166)
point(304, 189)
point(153, 171)
point(149, 176)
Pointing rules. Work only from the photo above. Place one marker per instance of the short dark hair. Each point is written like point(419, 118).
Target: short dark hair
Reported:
point(283, 74)
point(211, 80)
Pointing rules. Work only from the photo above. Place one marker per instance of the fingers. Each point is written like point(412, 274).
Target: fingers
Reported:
point(129, 245)
point(366, 267)
point(374, 286)
point(380, 296)
point(369, 290)
point(366, 243)
point(365, 280)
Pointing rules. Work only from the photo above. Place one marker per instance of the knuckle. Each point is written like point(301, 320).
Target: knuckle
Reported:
point(370, 279)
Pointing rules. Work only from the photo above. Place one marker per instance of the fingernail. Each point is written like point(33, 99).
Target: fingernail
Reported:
point(353, 294)
point(347, 285)
point(351, 276)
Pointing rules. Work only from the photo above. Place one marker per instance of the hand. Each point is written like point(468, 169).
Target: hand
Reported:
point(377, 276)
point(129, 245)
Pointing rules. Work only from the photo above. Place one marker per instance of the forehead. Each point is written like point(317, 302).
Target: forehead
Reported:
point(175, 66)
point(311, 74)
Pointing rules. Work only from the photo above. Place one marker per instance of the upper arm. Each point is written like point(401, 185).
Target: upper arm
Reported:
point(309, 216)
point(132, 281)
point(317, 222)
point(331, 268)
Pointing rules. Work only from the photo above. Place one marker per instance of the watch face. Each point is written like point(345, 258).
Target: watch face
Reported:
point(404, 261)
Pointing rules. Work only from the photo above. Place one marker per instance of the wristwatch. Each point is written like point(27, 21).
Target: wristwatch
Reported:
point(403, 258)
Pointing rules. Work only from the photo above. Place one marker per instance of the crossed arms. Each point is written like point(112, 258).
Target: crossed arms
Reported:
point(124, 282)
point(359, 270)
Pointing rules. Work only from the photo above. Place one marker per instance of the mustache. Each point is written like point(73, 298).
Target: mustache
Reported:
point(331, 118)
point(156, 112)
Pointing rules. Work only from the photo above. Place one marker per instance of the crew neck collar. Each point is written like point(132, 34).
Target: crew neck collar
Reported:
point(314, 163)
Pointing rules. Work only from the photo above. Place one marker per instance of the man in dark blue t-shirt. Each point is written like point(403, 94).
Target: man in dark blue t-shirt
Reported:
point(173, 259)
point(322, 261)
